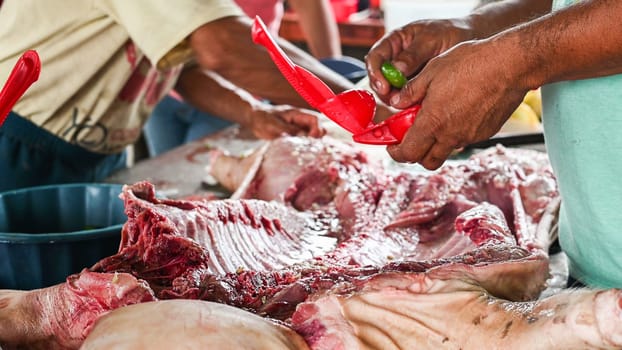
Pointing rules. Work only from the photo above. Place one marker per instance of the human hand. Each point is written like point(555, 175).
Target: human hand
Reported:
point(269, 122)
point(409, 48)
point(466, 95)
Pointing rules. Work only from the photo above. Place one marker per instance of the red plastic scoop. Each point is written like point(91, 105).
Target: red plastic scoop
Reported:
point(353, 110)
point(24, 73)
point(391, 131)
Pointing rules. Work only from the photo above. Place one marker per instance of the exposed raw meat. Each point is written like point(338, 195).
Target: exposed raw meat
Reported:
point(292, 169)
point(165, 238)
point(203, 326)
point(306, 174)
point(60, 317)
point(428, 311)
point(328, 220)
point(247, 252)
point(222, 244)
point(519, 182)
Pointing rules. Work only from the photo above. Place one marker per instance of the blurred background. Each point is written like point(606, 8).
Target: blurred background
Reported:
point(362, 22)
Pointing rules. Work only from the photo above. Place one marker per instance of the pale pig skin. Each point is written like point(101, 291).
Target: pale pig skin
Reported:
point(392, 311)
point(420, 312)
point(190, 324)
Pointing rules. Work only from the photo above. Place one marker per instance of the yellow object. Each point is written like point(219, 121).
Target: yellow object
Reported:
point(534, 99)
point(525, 113)
point(523, 120)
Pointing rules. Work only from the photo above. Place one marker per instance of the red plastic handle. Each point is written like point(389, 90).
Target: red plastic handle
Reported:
point(391, 131)
point(310, 87)
point(25, 72)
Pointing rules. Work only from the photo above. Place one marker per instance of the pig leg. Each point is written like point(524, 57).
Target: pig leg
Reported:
point(60, 317)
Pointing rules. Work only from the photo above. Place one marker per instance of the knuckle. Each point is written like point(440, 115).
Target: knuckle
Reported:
point(432, 163)
point(397, 153)
point(453, 142)
point(436, 126)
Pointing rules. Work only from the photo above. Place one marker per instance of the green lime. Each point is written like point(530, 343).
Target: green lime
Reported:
point(394, 76)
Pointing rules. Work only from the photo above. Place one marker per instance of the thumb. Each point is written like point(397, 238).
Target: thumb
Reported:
point(410, 94)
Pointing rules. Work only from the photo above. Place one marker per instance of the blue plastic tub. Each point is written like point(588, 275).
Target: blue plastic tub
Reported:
point(50, 232)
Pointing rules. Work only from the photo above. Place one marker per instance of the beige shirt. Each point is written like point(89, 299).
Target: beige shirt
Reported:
point(98, 80)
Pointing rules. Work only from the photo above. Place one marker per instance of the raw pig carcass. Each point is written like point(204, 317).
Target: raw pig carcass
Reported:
point(245, 254)
point(485, 220)
point(269, 256)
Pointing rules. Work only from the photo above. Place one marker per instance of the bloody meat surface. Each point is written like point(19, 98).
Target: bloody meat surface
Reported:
point(312, 217)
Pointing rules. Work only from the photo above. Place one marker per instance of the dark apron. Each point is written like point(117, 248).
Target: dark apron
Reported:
point(32, 156)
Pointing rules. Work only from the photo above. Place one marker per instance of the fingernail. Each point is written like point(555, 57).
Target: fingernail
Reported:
point(399, 65)
point(378, 85)
point(395, 100)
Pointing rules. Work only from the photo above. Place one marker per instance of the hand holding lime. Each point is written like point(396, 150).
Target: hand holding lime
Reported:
point(394, 76)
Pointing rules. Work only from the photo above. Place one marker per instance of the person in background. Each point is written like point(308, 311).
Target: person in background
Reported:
point(105, 65)
point(175, 122)
point(318, 23)
point(470, 73)
point(316, 20)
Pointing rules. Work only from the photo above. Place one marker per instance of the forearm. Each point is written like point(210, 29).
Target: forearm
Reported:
point(226, 47)
point(213, 95)
point(497, 16)
point(581, 41)
point(319, 26)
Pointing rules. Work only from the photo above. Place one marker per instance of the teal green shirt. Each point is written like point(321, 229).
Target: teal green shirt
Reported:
point(583, 132)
